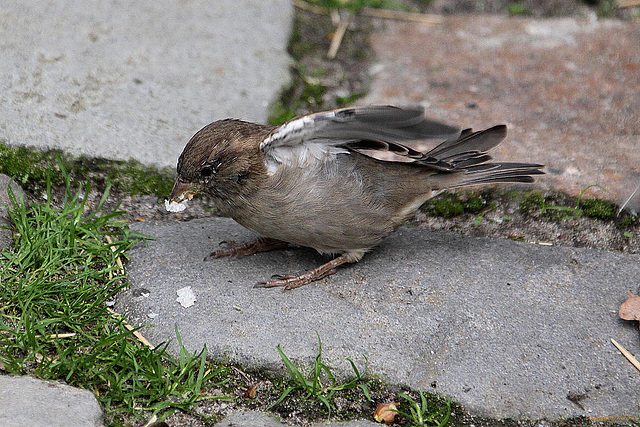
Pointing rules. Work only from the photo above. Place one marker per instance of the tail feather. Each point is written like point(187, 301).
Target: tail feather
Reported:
point(489, 173)
point(455, 162)
point(478, 142)
point(467, 157)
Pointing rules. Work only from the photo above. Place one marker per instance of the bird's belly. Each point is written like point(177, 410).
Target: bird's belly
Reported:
point(325, 227)
point(332, 207)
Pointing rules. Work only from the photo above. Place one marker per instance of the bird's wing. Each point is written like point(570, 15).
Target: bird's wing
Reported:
point(322, 135)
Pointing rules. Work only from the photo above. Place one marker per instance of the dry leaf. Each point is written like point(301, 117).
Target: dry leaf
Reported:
point(385, 412)
point(250, 392)
point(630, 309)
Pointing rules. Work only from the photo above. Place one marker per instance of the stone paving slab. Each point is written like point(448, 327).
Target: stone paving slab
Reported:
point(48, 403)
point(261, 419)
point(136, 79)
point(567, 88)
point(508, 329)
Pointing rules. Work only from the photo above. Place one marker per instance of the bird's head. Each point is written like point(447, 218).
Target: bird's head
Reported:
point(222, 160)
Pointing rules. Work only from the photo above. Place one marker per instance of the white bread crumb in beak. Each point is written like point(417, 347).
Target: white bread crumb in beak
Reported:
point(173, 206)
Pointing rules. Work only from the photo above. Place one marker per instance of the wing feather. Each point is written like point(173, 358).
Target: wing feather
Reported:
point(326, 134)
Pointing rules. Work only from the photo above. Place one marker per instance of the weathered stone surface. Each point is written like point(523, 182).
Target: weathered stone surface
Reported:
point(566, 88)
point(508, 329)
point(261, 419)
point(135, 80)
point(26, 401)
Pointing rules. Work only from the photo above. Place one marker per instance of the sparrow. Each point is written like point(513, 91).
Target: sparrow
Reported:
point(314, 181)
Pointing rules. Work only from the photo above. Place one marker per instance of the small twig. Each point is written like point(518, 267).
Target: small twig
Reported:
point(628, 3)
point(540, 243)
point(629, 198)
point(137, 334)
point(626, 354)
point(54, 336)
point(336, 39)
point(118, 261)
point(343, 24)
point(310, 7)
point(246, 377)
point(152, 420)
point(423, 18)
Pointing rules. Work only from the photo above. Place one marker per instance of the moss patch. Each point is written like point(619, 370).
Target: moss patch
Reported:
point(318, 83)
point(27, 165)
point(559, 206)
point(31, 167)
point(598, 208)
point(449, 205)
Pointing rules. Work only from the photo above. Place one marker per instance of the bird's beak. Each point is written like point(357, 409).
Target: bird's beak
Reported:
point(183, 191)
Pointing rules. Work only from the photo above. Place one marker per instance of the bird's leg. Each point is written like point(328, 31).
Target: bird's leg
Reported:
point(292, 282)
point(238, 250)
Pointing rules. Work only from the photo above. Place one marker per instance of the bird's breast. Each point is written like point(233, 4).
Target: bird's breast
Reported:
point(332, 206)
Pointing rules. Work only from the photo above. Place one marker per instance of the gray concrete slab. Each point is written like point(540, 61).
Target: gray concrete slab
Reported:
point(136, 79)
point(249, 418)
point(261, 419)
point(26, 401)
point(508, 329)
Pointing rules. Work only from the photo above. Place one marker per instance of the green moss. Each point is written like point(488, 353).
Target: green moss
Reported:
point(449, 205)
point(557, 206)
point(628, 221)
point(130, 176)
point(297, 47)
point(552, 207)
point(134, 178)
point(606, 9)
point(475, 204)
point(517, 9)
point(279, 113)
point(319, 72)
point(313, 92)
point(532, 203)
point(303, 93)
point(598, 208)
point(343, 101)
point(31, 167)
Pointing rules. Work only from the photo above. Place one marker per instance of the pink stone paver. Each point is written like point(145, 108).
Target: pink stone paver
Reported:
point(568, 89)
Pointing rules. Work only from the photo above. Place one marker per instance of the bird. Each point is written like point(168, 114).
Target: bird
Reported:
point(315, 181)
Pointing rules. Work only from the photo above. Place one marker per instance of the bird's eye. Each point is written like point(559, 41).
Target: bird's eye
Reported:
point(206, 170)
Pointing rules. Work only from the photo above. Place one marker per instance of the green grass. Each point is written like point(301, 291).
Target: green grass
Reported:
point(311, 385)
point(419, 414)
point(57, 279)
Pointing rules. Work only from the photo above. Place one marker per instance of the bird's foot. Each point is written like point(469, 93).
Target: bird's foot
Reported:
point(239, 250)
point(291, 282)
